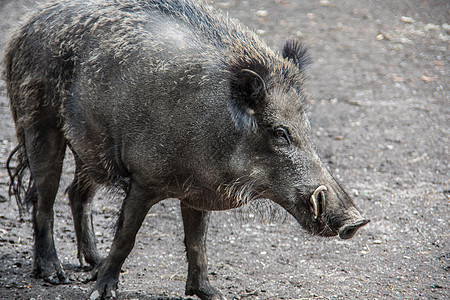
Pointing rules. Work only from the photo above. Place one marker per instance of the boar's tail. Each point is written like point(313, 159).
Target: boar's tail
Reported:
point(23, 192)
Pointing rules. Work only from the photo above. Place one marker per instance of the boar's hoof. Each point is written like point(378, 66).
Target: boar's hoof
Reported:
point(105, 291)
point(105, 287)
point(59, 278)
point(53, 274)
point(348, 231)
point(205, 293)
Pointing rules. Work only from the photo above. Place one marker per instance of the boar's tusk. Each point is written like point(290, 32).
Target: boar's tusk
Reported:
point(315, 200)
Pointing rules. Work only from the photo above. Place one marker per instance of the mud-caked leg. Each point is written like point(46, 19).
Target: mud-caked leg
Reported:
point(81, 193)
point(195, 229)
point(134, 209)
point(45, 147)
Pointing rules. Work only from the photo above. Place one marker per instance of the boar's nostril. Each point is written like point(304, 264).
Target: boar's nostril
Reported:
point(349, 230)
point(317, 201)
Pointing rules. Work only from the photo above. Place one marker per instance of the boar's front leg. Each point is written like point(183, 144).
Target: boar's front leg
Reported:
point(134, 209)
point(195, 229)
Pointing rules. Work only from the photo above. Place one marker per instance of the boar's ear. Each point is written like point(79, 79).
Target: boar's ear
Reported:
point(295, 52)
point(248, 91)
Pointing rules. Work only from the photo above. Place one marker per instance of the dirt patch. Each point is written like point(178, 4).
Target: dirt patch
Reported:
point(379, 106)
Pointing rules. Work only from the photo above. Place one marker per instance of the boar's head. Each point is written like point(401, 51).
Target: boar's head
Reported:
point(276, 153)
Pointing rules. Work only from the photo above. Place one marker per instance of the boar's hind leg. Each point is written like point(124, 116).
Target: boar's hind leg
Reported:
point(134, 209)
point(81, 192)
point(45, 148)
point(195, 229)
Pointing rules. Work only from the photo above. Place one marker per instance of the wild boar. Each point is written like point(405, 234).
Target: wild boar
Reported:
point(166, 98)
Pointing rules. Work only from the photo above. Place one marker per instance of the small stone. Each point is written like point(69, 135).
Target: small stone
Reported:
point(446, 28)
point(428, 78)
point(443, 37)
point(224, 5)
point(397, 78)
point(94, 296)
point(408, 20)
point(262, 13)
point(324, 3)
point(405, 40)
point(430, 27)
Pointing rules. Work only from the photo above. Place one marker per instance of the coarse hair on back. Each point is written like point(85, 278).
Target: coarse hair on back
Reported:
point(237, 46)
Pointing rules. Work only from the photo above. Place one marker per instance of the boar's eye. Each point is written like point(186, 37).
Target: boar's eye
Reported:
point(282, 134)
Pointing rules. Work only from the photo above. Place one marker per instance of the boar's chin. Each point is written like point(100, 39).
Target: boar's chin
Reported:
point(321, 228)
point(327, 232)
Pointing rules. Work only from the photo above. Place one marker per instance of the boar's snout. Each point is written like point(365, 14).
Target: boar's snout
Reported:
point(348, 231)
point(351, 221)
point(331, 212)
point(346, 219)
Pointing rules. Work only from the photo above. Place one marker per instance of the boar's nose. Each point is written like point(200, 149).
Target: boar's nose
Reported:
point(348, 231)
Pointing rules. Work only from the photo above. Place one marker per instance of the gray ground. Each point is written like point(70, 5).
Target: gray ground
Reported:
point(379, 106)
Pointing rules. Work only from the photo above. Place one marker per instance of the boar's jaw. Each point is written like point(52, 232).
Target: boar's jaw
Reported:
point(309, 209)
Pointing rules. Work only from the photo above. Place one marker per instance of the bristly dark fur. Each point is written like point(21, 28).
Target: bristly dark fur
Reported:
point(296, 52)
point(235, 44)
